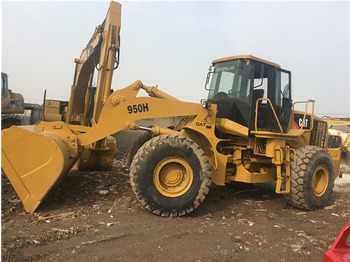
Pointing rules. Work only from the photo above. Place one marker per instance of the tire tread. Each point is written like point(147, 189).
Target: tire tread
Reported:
point(299, 172)
point(186, 144)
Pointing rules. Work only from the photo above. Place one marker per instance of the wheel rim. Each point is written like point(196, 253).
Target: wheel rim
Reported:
point(173, 176)
point(320, 180)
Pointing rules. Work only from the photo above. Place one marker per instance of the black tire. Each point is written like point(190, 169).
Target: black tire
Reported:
point(158, 162)
point(312, 178)
point(143, 138)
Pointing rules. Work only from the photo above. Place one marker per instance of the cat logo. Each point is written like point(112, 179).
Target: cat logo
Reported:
point(203, 124)
point(298, 121)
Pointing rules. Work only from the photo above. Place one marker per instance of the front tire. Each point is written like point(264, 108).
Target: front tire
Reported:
point(170, 175)
point(312, 178)
point(143, 138)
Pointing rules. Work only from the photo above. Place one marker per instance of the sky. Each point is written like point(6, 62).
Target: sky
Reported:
point(172, 44)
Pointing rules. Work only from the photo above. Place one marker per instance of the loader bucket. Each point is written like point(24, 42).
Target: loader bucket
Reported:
point(33, 162)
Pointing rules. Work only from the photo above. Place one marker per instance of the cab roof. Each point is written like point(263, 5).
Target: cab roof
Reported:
point(245, 57)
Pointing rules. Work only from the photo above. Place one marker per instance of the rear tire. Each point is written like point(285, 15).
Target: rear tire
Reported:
point(170, 175)
point(312, 178)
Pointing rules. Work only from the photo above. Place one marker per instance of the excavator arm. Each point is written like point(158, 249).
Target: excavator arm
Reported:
point(102, 53)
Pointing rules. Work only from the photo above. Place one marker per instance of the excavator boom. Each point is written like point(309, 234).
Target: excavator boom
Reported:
point(102, 53)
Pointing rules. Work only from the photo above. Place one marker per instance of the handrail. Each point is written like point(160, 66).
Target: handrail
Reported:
point(311, 116)
point(273, 110)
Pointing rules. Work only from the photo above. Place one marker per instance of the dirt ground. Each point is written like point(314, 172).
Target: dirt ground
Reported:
point(94, 216)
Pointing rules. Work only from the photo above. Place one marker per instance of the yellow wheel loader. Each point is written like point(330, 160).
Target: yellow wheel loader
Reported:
point(247, 131)
point(13, 107)
point(339, 135)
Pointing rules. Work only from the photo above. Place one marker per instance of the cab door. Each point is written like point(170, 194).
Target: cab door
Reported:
point(282, 97)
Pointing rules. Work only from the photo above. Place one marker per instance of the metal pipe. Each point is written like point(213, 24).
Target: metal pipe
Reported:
point(70, 105)
point(145, 128)
point(109, 72)
point(153, 91)
point(87, 107)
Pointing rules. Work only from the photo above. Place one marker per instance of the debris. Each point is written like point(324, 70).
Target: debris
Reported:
point(260, 210)
point(103, 192)
point(304, 235)
point(67, 231)
point(244, 242)
point(296, 248)
point(330, 207)
point(53, 216)
point(15, 201)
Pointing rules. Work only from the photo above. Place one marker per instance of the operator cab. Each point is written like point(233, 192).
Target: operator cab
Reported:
point(4, 91)
point(238, 82)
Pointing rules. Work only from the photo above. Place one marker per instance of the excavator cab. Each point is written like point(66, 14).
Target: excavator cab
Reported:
point(245, 88)
point(11, 103)
point(4, 91)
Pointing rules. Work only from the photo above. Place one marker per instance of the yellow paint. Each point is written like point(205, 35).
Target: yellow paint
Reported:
point(229, 127)
point(319, 181)
point(247, 57)
point(173, 177)
point(36, 157)
point(34, 161)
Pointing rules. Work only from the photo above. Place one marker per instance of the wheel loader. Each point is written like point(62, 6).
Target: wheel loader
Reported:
point(337, 138)
point(247, 130)
point(13, 107)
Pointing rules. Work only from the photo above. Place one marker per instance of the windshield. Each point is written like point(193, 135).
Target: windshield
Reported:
point(231, 80)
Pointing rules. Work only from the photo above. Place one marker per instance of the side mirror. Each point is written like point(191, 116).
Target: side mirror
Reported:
point(287, 103)
point(261, 76)
point(207, 81)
